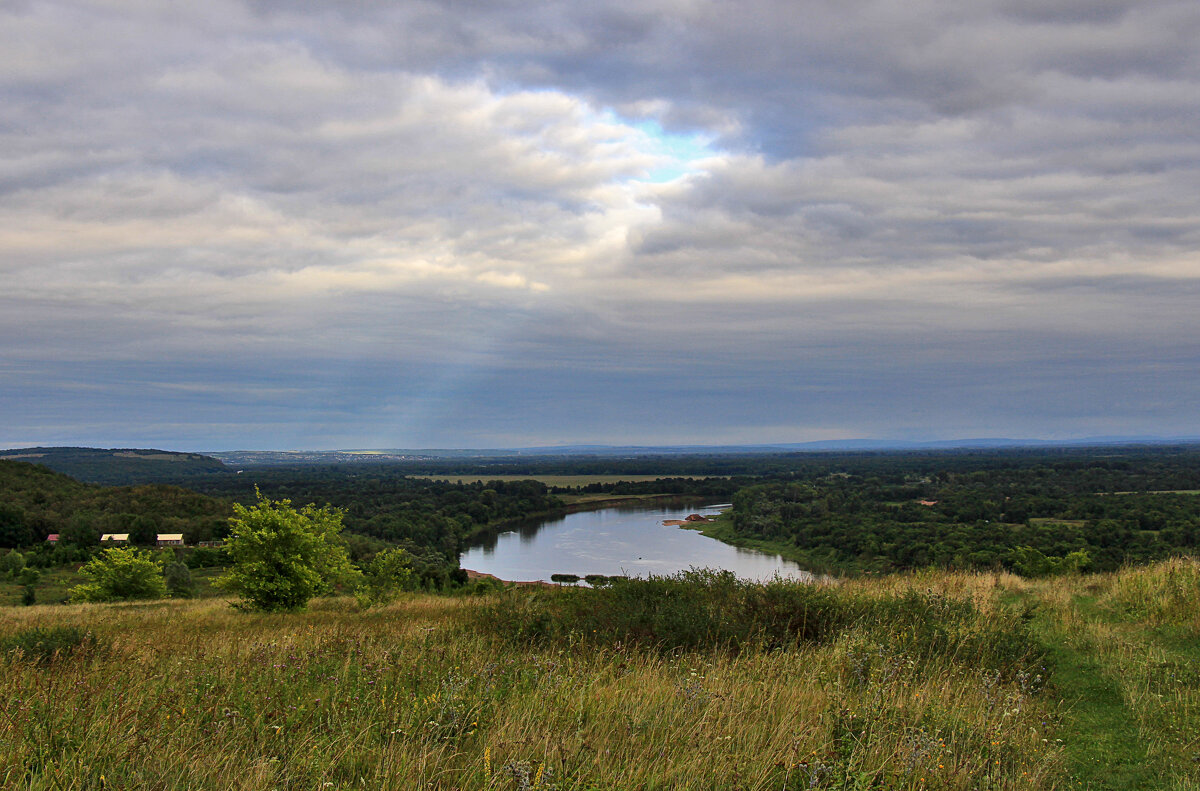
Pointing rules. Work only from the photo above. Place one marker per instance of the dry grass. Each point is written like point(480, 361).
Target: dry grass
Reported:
point(195, 695)
point(421, 694)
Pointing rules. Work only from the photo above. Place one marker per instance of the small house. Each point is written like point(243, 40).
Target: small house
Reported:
point(52, 538)
point(116, 538)
point(927, 503)
point(170, 540)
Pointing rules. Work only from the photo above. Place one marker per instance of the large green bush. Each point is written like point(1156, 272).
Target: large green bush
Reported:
point(119, 574)
point(283, 557)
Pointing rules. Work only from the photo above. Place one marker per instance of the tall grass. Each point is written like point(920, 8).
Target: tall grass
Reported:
point(697, 682)
point(704, 609)
point(1164, 593)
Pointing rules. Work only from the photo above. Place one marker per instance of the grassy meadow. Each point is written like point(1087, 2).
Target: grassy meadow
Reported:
point(932, 680)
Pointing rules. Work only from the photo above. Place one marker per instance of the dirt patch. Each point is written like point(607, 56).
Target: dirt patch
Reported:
point(479, 575)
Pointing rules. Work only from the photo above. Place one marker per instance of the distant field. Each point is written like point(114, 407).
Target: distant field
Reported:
point(1161, 491)
point(557, 480)
point(1049, 521)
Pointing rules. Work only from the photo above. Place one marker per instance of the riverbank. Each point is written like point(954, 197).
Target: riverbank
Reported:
point(479, 576)
point(586, 502)
point(721, 529)
point(615, 539)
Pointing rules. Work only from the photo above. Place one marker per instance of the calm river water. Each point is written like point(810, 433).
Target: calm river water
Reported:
point(627, 539)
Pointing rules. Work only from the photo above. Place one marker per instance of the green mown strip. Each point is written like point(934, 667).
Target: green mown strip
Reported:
point(1104, 749)
point(1101, 737)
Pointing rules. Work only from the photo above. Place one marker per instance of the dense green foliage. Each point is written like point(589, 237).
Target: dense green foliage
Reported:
point(120, 465)
point(35, 502)
point(384, 577)
point(1034, 511)
point(178, 578)
point(282, 557)
point(1100, 512)
point(701, 487)
point(121, 574)
point(431, 520)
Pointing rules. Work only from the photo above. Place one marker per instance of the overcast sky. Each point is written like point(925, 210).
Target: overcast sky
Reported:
point(272, 225)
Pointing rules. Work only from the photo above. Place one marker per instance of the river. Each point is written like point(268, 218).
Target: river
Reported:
point(626, 539)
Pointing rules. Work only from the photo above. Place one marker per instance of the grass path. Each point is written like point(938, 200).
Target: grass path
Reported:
point(1102, 741)
point(1110, 744)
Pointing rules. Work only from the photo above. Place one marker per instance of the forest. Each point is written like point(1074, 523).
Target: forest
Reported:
point(1030, 511)
point(1024, 513)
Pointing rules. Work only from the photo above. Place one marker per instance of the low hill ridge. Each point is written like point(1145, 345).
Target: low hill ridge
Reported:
point(117, 466)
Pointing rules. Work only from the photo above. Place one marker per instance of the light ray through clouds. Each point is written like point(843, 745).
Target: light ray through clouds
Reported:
point(265, 225)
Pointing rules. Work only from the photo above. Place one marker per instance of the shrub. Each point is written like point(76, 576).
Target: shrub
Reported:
point(1029, 562)
point(703, 609)
point(206, 557)
point(388, 573)
point(121, 574)
point(44, 645)
point(693, 609)
point(283, 557)
point(178, 578)
point(11, 563)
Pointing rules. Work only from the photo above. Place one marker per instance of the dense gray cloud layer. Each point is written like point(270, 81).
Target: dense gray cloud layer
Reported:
point(269, 224)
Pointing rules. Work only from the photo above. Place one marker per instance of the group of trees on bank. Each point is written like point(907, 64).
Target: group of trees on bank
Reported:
point(1034, 512)
point(1029, 518)
point(432, 520)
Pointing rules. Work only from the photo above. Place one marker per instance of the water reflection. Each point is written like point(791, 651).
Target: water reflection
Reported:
point(625, 539)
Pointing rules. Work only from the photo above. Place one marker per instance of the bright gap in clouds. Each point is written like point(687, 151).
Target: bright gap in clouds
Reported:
point(679, 154)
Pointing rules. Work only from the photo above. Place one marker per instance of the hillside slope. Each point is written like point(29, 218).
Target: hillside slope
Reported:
point(924, 681)
point(36, 501)
point(117, 466)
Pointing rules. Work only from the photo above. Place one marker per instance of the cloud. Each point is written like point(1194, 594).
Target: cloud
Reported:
point(491, 194)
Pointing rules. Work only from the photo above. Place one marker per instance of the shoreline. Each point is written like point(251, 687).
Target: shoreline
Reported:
point(473, 576)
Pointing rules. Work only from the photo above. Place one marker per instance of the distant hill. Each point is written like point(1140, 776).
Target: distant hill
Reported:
point(119, 466)
point(237, 459)
point(36, 501)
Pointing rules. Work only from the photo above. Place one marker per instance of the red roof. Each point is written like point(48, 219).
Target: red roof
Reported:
point(52, 537)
